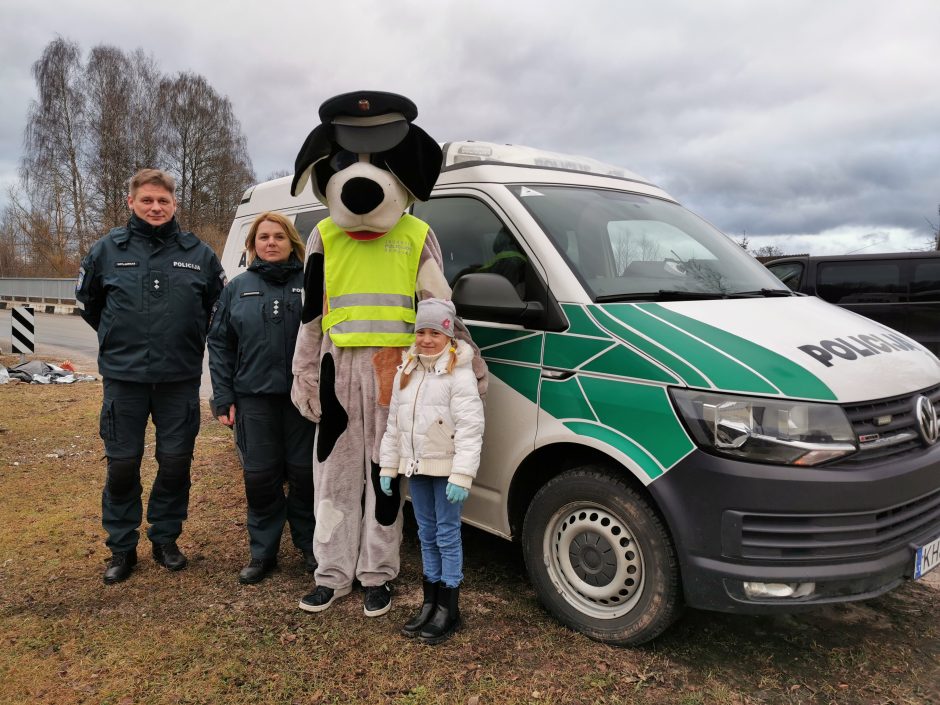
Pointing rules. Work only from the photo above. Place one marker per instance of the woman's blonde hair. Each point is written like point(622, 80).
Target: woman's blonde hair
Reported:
point(296, 243)
point(451, 364)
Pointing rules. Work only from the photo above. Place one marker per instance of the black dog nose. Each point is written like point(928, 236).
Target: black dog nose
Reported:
point(361, 195)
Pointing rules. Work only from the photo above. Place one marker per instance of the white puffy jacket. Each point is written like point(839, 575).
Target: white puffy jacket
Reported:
point(435, 424)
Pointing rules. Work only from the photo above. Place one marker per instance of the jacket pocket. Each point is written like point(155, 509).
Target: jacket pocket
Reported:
point(106, 421)
point(439, 439)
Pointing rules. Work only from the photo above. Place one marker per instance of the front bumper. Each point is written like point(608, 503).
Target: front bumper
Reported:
point(852, 532)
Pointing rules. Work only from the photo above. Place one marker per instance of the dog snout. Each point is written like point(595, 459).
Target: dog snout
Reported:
point(361, 195)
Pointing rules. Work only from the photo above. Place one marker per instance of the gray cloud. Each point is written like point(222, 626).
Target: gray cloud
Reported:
point(781, 119)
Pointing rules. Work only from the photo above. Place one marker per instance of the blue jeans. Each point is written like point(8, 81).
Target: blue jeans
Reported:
point(438, 530)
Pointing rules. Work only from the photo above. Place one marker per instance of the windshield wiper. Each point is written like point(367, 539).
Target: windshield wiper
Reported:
point(661, 295)
point(770, 293)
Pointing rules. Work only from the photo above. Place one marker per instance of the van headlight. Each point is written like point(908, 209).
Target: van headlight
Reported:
point(766, 430)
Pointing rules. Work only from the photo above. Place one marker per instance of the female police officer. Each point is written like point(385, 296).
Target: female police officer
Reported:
point(251, 346)
point(148, 289)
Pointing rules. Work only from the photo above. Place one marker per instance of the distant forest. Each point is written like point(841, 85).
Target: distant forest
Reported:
point(95, 121)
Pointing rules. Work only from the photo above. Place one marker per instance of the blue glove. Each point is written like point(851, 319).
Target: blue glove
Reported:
point(386, 484)
point(456, 494)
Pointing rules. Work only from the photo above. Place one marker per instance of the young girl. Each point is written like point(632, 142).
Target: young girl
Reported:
point(434, 435)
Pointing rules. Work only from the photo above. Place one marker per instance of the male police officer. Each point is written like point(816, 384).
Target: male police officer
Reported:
point(148, 289)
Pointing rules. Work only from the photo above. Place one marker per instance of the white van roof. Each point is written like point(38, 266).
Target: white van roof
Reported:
point(472, 160)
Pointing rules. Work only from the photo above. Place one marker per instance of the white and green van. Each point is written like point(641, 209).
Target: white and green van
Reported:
point(668, 424)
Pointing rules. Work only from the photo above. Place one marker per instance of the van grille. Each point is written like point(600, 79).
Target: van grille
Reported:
point(841, 536)
point(902, 427)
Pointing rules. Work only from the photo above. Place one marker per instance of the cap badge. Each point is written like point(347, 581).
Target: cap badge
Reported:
point(364, 105)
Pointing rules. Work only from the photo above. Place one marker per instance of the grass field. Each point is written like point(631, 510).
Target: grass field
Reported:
point(199, 637)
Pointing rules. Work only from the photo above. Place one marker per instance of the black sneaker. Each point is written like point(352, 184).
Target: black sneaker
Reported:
point(377, 600)
point(120, 566)
point(169, 556)
point(256, 570)
point(322, 597)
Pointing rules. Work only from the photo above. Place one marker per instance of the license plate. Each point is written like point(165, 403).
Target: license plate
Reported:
point(927, 558)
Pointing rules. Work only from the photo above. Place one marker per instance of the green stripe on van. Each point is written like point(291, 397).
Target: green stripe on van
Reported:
point(564, 400)
point(790, 378)
point(568, 352)
point(579, 323)
point(523, 379)
point(643, 413)
point(485, 336)
point(625, 362)
point(725, 372)
point(615, 440)
point(528, 350)
point(676, 364)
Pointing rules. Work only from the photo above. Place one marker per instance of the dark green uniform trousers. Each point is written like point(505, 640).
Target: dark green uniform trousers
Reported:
point(275, 445)
point(174, 408)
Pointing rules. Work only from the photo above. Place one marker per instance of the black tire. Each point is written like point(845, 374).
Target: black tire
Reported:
point(600, 558)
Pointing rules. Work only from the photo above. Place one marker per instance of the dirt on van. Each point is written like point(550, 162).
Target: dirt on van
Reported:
point(198, 636)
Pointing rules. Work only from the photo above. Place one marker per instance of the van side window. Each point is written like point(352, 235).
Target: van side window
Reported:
point(473, 239)
point(790, 273)
point(860, 282)
point(306, 221)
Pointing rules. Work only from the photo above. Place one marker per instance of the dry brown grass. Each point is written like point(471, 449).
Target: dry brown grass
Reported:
point(200, 637)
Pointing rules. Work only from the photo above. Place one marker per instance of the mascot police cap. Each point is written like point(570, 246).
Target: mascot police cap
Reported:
point(375, 123)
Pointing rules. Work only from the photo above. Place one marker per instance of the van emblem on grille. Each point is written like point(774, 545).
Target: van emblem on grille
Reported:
point(927, 422)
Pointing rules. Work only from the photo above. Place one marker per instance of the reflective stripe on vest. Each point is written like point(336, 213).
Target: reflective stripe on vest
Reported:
point(370, 284)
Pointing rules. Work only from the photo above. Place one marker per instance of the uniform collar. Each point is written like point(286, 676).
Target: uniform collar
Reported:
point(163, 233)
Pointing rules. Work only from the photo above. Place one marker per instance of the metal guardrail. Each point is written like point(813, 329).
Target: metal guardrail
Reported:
point(30, 289)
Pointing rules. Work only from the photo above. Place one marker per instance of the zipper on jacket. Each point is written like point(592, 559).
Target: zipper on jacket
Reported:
point(414, 411)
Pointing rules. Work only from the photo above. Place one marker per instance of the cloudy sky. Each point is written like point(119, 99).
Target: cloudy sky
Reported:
point(813, 125)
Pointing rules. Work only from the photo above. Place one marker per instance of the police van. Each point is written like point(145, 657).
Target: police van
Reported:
point(667, 424)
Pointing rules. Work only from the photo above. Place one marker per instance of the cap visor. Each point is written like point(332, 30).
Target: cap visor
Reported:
point(372, 139)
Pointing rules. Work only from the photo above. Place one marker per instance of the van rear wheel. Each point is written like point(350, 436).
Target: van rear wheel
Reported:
point(600, 558)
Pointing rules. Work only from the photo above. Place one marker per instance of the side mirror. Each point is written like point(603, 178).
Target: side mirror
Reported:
point(491, 297)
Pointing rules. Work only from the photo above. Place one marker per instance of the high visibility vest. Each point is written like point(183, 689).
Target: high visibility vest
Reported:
point(370, 284)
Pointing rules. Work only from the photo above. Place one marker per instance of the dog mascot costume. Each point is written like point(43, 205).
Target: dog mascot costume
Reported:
point(367, 163)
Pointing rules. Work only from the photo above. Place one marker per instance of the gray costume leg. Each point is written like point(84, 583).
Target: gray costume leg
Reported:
point(357, 535)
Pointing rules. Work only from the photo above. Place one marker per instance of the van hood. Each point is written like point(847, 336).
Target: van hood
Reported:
point(797, 346)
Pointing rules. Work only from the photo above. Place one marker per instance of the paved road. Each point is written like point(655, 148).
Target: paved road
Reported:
point(60, 337)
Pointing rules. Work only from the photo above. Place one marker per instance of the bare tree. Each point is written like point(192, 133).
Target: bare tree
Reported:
point(93, 125)
point(56, 129)
point(204, 149)
point(934, 232)
point(768, 251)
point(111, 135)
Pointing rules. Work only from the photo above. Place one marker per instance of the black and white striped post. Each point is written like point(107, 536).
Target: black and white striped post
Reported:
point(23, 330)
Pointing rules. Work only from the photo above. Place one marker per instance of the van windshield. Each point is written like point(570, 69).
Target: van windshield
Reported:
point(623, 246)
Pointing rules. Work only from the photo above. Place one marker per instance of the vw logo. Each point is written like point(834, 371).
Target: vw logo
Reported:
point(927, 422)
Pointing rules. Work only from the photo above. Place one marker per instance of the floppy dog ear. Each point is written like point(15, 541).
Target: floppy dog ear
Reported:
point(415, 161)
point(316, 147)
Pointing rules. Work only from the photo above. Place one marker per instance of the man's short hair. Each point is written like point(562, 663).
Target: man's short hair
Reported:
point(152, 176)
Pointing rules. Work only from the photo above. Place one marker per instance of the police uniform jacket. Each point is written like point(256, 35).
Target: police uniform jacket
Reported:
point(149, 292)
point(253, 332)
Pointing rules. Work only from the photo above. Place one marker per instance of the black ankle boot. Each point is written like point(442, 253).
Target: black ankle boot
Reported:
point(412, 628)
point(120, 566)
point(256, 570)
point(446, 617)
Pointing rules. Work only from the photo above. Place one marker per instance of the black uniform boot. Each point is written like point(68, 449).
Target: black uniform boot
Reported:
point(256, 570)
point(169, 556)
point(413, 626)
point(120, 565)
point(446, 618)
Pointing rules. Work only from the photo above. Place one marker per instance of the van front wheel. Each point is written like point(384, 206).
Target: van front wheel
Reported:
point(600, 558)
